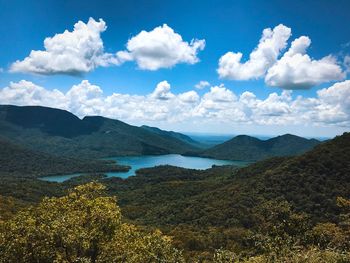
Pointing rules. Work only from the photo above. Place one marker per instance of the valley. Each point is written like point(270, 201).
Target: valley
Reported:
point(174, 131)
point(204, 204)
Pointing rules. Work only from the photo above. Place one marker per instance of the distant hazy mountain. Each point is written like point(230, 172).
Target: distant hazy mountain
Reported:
point(249, 148)
point(60, 132)
point(208, 140)
point(172, 134)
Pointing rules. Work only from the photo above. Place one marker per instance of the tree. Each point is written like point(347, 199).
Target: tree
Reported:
point(83, 226)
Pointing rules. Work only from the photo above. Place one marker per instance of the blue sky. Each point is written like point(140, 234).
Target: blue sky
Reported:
point(226, 26)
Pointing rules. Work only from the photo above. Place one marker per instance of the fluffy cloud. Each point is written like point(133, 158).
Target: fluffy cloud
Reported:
point(219, 94)
point(296, 70)
point(261, 58)
point(160, 48)
point(162, 91)
point(81, 51)
point(75, 52)
point(202, 84)
point(334, 103)
point(27, 93)
point(330, 108)
point(189, 96)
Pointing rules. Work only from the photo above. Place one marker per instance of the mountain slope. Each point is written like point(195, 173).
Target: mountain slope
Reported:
point(51, 121)
point(221, 207)
point(59, 132)
point(172, 134)
point(227, 197)
point(248, 148)
point(17, 161)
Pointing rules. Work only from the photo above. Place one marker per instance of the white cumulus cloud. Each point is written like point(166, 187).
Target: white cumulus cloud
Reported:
point(27, 93)
point(160, 48)
point(162, 91)
point(293, 69)
point(71, 52)
point(189, 96)
point(202, 84)
point(296, 70)
point(272, 42)
point(329, 108)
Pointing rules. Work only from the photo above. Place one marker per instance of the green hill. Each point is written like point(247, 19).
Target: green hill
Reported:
point(177, 135)
point(19, 162)
point(247, 148)
point(311, 182)
point(290, 199)
point(221, 206)
point(59, 132)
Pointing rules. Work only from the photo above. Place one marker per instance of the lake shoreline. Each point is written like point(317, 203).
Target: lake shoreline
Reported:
point(148, 161)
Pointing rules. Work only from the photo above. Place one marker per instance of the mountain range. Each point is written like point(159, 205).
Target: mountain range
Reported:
point(219, 207)
point(284, 198)
point(59, 132)
point(247, 148)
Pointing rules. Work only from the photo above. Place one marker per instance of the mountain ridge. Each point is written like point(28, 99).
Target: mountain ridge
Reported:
point(173, 134)
point(248, 148)
point(60, 132)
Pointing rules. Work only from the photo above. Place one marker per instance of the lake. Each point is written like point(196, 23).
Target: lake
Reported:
point(146, 161)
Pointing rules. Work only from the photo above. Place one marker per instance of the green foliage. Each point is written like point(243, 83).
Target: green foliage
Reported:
point(8, 207)
point(310, 255)
point(61, 133)
point(83, 226)
point(278, 229)
point(279, 210)
point(248, 148)
point(176, 135)
point(17, 161)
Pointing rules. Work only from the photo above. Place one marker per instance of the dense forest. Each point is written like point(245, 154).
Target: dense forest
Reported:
point(60, 132)
point(284, 209)
point(17, 160)
point(247, 148)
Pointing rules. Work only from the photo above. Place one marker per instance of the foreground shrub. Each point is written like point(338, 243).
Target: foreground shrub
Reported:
point(83, 226)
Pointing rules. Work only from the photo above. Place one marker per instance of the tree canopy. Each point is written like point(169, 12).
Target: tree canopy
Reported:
point(83, 226)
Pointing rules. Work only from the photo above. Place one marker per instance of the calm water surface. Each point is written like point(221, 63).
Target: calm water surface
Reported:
point(146, 161)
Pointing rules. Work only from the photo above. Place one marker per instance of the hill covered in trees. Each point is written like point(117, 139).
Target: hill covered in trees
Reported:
point(60, 132)
point(247, 148)
point(177, 135)
point(286, 209)
point(230, 208)
point(83, 226)
point(17, 161)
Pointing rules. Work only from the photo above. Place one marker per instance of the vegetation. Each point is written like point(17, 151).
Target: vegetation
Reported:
point(17, 161)
point(223, 207)
point(247, 148)
point(83, 226)
point(86, 226)
point(282, 209)
point(177, 135)
point(59, 132)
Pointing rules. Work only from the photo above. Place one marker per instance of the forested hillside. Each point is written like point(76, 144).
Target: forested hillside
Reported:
point(59, 132)
point(247, 148)
point(278, 210)
point(17, 161)
point(177, 135)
